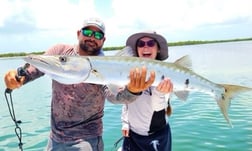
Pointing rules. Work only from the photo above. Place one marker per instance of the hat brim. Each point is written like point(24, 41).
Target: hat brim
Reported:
point(94, 25)
point(95, 22)
point(131, 41)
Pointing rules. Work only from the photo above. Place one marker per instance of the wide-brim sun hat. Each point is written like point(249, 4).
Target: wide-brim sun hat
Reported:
point(163, 52)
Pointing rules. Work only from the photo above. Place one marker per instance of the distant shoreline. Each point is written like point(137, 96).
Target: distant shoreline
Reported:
point(181, 43)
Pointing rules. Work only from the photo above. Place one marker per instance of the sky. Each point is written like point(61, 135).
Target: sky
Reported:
point(36, 25)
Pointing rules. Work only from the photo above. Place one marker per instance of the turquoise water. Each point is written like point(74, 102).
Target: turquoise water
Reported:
point(197, 124)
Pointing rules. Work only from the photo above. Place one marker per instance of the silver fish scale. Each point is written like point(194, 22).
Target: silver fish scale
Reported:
point(116, 69)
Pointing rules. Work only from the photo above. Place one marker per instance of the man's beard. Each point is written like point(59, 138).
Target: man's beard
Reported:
point(90, 50)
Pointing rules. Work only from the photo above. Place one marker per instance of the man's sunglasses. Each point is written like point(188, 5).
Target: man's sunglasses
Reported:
point(149, 43)
point(89, 33)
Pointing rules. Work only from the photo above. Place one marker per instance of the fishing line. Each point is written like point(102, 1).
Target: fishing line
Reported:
point(18, 130)
point(21, 71)
point(116, 144)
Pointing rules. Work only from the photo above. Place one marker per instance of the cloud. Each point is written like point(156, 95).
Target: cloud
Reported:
point(170, 17)
point(18, 24)
point(180, 14)
point(44, 23)
point(36, 25)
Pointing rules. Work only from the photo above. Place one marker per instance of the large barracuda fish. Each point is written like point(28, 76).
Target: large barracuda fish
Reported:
point(109, 70)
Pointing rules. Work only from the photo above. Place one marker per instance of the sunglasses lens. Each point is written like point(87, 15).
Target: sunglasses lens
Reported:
point(140, 43)
point(98, 35)
point(87, 32)
point(149, 43)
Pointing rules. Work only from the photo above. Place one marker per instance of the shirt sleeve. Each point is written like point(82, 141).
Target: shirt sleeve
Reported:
point(159, 100)
point(119, 95)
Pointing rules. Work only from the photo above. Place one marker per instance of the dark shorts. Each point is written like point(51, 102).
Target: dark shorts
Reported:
point(158, 141)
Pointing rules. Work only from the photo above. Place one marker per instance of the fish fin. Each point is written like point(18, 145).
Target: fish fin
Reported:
point(112, 90)
point(182, 94)
point(126, 51)
point(224, 101)
point(185, 62)
point(96, 77)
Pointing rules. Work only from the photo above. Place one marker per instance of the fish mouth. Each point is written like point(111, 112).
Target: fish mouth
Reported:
point(41, 61)
point(32, 58)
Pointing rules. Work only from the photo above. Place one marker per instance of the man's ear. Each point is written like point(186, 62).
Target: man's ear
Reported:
point(78, 33)
point(104, 39)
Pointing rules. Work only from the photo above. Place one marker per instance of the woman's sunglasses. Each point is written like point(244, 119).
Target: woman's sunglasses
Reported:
point(149, 43)
point(89, 33)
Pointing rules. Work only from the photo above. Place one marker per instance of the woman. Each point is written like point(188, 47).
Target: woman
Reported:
point(144, 124)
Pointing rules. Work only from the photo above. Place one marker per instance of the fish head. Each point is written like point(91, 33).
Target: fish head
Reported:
point(64, 69)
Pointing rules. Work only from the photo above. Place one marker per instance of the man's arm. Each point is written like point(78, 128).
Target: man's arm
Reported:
point(13, 80)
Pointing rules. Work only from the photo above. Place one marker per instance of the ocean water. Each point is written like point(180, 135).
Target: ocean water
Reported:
point(197, 124)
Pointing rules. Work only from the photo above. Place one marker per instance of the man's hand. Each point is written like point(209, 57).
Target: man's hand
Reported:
point(138, 81)
point(11, 80)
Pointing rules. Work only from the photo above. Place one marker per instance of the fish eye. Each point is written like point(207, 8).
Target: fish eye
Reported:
point(62, 58)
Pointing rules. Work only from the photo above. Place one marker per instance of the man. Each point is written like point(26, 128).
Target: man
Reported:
point(77, 109)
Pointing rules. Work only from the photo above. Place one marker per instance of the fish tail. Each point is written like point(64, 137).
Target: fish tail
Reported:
point(225, 100)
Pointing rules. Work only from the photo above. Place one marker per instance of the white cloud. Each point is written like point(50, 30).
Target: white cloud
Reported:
point(170, 16)
point(57, 20)
point(50, 14)
point(5, 11)
point(179, 14)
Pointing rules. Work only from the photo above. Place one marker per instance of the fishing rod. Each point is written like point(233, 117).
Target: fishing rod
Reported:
point(21, 71)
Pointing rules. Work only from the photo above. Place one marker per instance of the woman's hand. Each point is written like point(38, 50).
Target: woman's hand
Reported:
point(138, 82)
point(125, 133)
point(165, 86)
